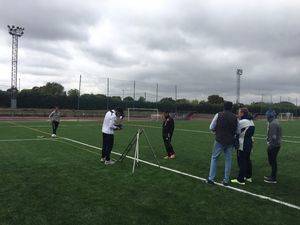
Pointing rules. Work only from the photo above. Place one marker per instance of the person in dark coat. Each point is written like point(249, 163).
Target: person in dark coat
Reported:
point(224, 125)
point(167, 133)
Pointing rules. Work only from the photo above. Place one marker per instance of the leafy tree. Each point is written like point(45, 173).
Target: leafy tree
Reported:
point(73, 93)
point(182, 101)
point(128, 99)
point(52, 88)
point(215, 99)
point(141, 99)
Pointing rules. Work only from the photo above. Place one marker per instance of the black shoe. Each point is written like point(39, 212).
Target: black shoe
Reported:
point(208, 181)
point(225, 183)
point(270, 180)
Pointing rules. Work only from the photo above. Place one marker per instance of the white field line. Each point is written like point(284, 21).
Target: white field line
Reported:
point(24, 139)
point(207, 132)
point(195, 177)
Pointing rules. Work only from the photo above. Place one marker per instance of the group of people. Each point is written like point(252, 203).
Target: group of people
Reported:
point(236, 132)
point(231, 132)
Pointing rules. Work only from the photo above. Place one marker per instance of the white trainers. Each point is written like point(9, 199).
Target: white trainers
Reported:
point(110, 162)
point(102, 160)
point(53, 135)
point(248, 180)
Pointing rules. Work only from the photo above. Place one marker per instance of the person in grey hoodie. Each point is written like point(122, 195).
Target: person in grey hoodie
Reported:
point(274, 137)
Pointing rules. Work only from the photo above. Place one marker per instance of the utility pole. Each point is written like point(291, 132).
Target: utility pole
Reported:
point(79, 90)
point(239, 73)
point(145, 96)
point(15, 32)
point(134, 90)
point(271, 99)
point(107, 93)
point(156, 97)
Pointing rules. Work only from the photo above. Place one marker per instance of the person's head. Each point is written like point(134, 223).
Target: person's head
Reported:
point(166, 114)
point(243, 112)
point(119, 112)
point(56, 108)
point(271, 115)
point(228, 106)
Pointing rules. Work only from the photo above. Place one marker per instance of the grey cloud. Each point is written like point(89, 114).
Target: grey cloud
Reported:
point(107, 56)
point(49, 20)
point(196, 45)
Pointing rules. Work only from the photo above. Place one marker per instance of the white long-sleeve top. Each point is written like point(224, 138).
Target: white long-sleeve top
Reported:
point(109, 121)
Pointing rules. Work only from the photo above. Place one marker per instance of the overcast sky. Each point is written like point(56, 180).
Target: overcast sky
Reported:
point(197, 45)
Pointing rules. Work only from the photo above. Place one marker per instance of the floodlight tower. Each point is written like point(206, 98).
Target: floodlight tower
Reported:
point(15, 32)
point(239, 73)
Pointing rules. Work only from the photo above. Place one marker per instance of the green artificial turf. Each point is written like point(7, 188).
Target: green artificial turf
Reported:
point(55, 181)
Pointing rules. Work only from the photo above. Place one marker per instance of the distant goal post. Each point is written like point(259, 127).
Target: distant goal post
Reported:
point(142, 113)
point(286, 116)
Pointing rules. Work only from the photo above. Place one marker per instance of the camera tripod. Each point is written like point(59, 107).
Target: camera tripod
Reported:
point(134, 144)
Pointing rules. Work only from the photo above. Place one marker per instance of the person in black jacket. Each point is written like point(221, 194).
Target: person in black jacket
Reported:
point(167, 133)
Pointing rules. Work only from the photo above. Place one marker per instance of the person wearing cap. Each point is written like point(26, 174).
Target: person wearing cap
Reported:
point(167, 133)
point(110, 124)
point(274, 137)
point(224, 125)
point(246, 131)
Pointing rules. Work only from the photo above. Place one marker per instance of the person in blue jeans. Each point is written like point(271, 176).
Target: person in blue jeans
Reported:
point(224, 125)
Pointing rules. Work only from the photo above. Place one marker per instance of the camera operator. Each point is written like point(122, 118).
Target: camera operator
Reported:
point(111, 122)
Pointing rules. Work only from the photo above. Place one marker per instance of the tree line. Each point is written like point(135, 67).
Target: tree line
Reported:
point(54, 94)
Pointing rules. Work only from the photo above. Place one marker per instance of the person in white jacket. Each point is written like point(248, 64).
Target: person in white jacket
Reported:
point(246, 129)
point(110, 124)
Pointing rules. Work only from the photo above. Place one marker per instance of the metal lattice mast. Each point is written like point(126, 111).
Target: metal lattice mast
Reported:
point(15, 32)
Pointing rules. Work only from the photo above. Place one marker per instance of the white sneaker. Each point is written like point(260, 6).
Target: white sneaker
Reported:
point(53, 135)
point(248, 180)
point(110, 162)
point(102, 160)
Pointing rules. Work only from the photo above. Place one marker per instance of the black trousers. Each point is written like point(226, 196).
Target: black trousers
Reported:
point(107, 146)
point(167, 141)
point(245, 164)
point(272, 157)
point(55, 125)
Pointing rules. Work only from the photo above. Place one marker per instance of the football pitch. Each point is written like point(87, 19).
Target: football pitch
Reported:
point(62, 181)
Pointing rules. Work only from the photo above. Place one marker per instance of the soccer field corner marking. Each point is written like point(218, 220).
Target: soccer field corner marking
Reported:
point(180, 172)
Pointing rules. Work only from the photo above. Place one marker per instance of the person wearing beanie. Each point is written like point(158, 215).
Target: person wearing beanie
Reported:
point(274, 137)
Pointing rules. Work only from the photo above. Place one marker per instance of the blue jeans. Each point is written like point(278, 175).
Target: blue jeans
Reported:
point(218, 148)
